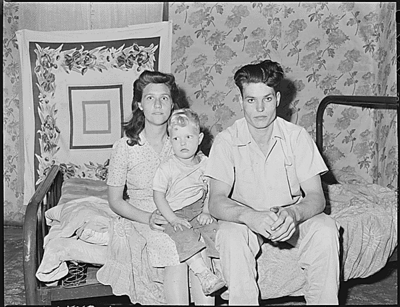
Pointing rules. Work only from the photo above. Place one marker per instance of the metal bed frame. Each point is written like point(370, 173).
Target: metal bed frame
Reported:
point(379, 102)
point(35, 229)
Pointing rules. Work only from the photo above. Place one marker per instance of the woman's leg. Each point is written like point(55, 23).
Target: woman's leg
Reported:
point(176, 285)
point(196, 290)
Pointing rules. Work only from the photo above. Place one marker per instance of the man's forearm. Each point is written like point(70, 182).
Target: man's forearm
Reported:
point(309, 206)
point(229, 210)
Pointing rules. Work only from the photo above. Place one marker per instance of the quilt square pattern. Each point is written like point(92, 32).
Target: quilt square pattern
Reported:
point(77, 91)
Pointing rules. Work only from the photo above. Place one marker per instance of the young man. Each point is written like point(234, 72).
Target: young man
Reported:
point(265, 187)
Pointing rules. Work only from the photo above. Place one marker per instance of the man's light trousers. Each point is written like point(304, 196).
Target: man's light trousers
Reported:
point(317, 242)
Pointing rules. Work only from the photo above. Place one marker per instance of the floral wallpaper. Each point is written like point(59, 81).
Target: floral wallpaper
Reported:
point(326, 48)
point(13, 207)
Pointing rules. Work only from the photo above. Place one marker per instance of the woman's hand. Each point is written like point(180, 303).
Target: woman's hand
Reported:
point(205, 218)
point(156, 220)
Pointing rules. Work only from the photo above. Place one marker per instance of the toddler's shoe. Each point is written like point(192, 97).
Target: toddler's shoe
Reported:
point(210, 282)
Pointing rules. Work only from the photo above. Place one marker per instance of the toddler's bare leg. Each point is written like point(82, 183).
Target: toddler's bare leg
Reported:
point(197, 292)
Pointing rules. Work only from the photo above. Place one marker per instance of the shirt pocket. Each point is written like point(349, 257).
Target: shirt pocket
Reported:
point(293, 181)
point(246, 186)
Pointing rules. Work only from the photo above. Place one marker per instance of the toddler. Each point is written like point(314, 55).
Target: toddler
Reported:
point(179, 191)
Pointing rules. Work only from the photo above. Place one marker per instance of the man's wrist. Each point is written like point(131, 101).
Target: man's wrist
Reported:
point(245, 215)
point(296, 212)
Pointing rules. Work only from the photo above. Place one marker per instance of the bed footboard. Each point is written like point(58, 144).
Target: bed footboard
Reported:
point(35, 229)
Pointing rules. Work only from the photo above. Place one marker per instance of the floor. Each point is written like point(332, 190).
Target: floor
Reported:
point(379, 289)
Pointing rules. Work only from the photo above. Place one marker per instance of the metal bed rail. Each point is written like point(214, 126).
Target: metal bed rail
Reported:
point(381, 102)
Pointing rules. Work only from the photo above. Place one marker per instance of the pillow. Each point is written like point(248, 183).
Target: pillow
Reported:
point(76, 188)
point(348, 175)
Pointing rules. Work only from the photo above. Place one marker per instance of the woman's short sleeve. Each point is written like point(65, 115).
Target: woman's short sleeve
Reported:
point(118, 167)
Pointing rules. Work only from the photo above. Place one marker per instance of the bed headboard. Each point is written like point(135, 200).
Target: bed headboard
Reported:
point(376, 102)
point(380, 102)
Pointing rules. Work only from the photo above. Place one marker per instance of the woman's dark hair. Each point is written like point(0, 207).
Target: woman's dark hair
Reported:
point(135, 125)
point(267, 72)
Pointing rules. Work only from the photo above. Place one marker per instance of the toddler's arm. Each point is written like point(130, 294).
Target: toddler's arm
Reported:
point(162, 205)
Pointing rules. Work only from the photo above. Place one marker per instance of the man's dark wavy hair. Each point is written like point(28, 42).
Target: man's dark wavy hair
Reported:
point(267, 72)
point(135, 125)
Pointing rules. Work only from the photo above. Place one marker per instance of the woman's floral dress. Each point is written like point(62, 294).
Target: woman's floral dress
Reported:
point(136, 166)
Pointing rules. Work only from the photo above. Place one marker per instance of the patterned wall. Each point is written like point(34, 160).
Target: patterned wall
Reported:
point(13, 208)
point(326, 48)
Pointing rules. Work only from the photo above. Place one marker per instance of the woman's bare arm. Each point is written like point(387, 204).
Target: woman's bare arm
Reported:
point(124, 209)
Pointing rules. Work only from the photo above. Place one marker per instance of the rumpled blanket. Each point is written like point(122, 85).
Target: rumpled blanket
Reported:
point(367, 214)
point(123, 254)
point(85, 218)
point(70, 223)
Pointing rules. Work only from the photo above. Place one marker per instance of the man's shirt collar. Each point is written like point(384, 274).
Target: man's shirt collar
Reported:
point(242, 136)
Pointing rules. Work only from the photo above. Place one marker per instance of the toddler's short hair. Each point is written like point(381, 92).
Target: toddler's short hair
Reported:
point(182, 118)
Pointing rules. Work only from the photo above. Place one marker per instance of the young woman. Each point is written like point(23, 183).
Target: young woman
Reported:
point(134, 160)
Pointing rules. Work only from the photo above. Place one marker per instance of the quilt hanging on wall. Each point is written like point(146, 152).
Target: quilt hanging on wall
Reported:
point(77, 89)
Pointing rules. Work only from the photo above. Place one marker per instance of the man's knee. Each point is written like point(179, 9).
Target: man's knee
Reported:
point(324, 228)
point(231, 235)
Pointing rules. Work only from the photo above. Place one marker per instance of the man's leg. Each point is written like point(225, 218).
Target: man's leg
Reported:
point(238, 247)
point(318, 245)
